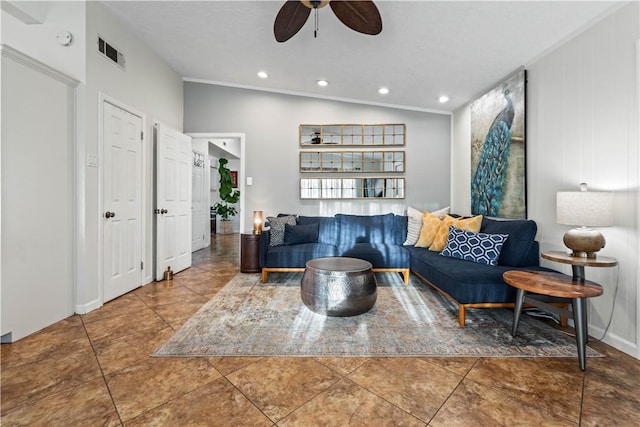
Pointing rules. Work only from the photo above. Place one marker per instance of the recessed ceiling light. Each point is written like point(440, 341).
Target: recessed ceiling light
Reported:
point(322, 83)
point(383, 91)
point(443, 98)
point(263, 74)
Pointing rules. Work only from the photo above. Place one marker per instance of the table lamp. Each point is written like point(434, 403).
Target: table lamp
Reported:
point(257, 222)
point(584, 209)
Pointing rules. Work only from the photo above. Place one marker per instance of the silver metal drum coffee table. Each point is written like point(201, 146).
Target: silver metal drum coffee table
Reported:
point(338, 286)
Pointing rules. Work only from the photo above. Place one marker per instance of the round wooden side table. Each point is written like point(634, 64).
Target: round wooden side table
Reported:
point(558, 286)
point(579, 263)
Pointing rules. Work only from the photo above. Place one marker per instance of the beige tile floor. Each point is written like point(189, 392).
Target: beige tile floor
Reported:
point(96, 370)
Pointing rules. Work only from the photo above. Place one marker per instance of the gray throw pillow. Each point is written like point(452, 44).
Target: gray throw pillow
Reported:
point(277, 228)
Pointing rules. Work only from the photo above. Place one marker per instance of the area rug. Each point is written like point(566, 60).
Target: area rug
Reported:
point(248, 318)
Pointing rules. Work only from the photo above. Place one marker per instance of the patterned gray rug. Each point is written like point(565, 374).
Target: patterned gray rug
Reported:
point(248, 318)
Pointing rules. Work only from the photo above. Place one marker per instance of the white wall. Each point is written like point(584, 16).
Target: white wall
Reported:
point(147, 84)
point(582, 126)
point(270, 122)
point(39, 198)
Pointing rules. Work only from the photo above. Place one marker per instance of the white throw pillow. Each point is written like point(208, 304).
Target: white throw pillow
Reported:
point(414, 224)
point(441, 213)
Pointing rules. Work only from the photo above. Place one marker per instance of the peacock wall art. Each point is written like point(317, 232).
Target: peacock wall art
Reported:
point(498, 186)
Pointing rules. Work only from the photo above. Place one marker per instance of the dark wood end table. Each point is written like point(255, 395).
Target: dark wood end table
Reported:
point(558, 287)
point(250, 253)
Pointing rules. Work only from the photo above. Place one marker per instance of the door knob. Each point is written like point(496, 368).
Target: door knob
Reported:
point(108, 214)
point(156, 211)
point(163, 211)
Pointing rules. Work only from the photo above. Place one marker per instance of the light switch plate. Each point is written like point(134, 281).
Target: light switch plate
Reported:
point(249, 180)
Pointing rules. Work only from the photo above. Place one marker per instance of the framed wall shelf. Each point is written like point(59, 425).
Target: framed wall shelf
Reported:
point(352, 188)
point(352, 161)
point(352, 134)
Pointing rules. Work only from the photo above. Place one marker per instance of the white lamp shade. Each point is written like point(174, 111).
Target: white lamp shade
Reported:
point(584, 208)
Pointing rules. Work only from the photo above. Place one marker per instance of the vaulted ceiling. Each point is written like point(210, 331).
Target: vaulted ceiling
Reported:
point(426, 48)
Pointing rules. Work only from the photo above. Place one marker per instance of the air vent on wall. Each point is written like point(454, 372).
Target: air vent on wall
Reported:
point(110, 52)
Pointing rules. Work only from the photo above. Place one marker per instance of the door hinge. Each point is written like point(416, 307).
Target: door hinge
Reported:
point(141, 265)
point(141, 136)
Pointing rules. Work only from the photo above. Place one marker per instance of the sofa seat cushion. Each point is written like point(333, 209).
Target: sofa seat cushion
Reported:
point(467, 282)
point(296, 256)
point(380, 255)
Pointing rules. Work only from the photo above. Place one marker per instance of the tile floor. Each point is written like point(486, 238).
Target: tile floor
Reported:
point(95, 370)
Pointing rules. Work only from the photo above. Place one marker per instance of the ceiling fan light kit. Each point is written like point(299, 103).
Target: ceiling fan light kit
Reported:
point(359, 15)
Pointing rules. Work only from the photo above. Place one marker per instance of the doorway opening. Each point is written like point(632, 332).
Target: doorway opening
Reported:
point(231, 146)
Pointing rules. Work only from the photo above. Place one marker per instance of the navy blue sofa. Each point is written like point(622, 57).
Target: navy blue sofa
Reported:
point(374, 238)
point(472, 285)
point(379, 239)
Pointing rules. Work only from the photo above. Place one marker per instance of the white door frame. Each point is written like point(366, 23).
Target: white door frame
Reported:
point(241, 172)
point(102, 98)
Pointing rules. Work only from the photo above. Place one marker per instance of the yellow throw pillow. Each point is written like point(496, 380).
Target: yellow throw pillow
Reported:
point(440, 239)
point(430, 226)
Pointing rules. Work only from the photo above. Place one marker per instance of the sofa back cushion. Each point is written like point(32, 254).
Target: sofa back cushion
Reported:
point(522, 233)
point(365, 229)
point(400, 229)
point(327, 229)
point(298, 234)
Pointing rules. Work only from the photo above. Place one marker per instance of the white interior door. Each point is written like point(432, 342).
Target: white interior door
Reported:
point(197, 202)
point(122, 201)
point(173, 200)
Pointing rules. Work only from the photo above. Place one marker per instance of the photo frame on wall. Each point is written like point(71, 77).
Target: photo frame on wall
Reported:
point(234, 179)
point(498, 154)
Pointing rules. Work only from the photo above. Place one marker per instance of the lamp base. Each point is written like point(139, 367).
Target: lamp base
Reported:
point(584, 242)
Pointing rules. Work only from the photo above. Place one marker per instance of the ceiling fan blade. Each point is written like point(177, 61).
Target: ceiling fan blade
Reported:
point(290, 20)
point(361, 16)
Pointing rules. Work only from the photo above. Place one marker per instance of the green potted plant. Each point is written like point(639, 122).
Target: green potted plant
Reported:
point(229, 196)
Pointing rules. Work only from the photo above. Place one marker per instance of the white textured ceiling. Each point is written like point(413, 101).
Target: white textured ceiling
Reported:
point(426, 48)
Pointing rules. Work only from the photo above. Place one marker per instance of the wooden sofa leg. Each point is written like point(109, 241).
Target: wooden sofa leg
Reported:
point(461, 315)
point(405, 276)
point(264, 275)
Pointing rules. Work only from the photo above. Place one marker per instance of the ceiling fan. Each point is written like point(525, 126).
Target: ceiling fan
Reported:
point(359, 15)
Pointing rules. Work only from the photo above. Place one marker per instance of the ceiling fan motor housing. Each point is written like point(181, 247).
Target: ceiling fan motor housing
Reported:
point(315, 4)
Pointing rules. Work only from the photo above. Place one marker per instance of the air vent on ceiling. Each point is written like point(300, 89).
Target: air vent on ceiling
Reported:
point(110, 52)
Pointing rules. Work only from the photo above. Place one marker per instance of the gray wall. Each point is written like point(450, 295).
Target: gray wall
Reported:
point(270, 123)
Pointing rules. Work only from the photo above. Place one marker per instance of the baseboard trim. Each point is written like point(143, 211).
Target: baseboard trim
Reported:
point(85, 308)
point(615, 341)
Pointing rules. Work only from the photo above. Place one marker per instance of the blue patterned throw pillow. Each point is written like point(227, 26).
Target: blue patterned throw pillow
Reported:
point(477, 247)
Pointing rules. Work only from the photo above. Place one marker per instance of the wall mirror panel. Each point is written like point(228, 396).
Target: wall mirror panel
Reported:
point(352, 188)
point(352, 134)
point(352, 161)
